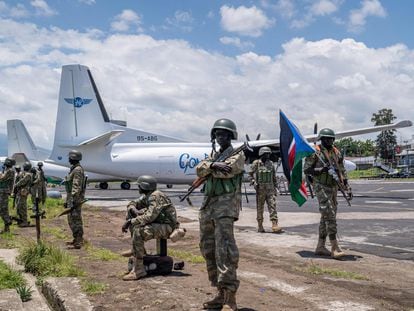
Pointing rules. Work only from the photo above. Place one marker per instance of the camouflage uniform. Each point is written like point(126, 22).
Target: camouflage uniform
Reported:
point(6, 188)
point(23, 188)
point(75, 197)
point(326, 189)
point(157, 221)
point(219, 210)
point(264, 177)
point(38, 189)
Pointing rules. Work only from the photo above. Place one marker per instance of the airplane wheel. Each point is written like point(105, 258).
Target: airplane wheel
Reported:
point(169, 186)
point(103, 185)
point(125, 185)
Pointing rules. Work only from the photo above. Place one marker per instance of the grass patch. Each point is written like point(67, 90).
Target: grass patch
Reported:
point(56, 232)
point(53, 207)
point(92, 288)
point(371, 172)
point(186, 256)
point(317, 270)
point(47, 260)
point(102, 254)
point(10, 278)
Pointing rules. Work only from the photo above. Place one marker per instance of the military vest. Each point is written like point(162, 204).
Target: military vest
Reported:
point(325, 178)
point(168, 214)
point(7, 180)
point(264, 173)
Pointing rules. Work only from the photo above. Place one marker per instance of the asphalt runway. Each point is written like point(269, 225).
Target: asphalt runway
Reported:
point(379, 222)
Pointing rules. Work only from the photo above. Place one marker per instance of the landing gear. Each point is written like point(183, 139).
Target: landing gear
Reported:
point(169, 186)
point(103, 185)
point(125, 185)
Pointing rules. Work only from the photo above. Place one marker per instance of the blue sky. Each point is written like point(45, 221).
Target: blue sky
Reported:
point(187, 63)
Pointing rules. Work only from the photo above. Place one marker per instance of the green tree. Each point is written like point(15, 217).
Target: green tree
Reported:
point(386, 140)
point(355, 148)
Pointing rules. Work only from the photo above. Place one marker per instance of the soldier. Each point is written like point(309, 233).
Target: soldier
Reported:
point(6, 187)
point(157, 221)
point(75, 184)
point(23, 189)
point(263, 177)
point(319, 166)
point(18, 175)
point(38, 189)
point(218, 212)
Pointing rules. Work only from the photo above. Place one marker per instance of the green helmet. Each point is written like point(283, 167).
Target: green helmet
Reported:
point(17, 167)
point(326, 132)
point(264, 150)
point(224, 124)
point(147, 182)
point(9, 162)
point(27, 166)
point(75, 155)
point(40, 164)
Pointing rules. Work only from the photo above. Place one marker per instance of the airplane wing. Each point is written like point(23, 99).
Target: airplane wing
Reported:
point(274, 143)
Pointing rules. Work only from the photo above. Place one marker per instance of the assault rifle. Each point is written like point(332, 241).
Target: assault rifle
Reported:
point(69, 207)
point(133, 212)
point(341, 186)
point(229, 152)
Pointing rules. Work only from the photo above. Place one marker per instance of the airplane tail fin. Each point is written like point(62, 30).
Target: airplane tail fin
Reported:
point(19, 141)
point(82, 117)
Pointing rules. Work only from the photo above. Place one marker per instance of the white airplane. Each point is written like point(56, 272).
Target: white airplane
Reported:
point(21, 147)
point(82, 123)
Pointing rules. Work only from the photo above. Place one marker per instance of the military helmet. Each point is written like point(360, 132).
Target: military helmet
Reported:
point(224, 124)
point(27, 166)
point(326, 132)
point(147, 182)
point(40, 164)
point(17, 167)
point(264, 150)
point(9, 162)
point(75, 155)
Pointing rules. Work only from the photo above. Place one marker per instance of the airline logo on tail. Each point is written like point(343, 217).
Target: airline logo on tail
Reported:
point(78, 101)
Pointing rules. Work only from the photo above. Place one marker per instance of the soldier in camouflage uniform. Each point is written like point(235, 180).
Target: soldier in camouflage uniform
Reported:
point(156, 221)
point(22, 190)
point(263, 177)
point(39, 184)
point(75, 197)
point(218, 212)
point(326, 189)
point(18, 175)
point(6, 188)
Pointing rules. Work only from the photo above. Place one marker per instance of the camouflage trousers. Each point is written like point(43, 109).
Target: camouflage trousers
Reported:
point(141, 234)
point(21, 207)
point(4, 207)
point(328, 205)
point(269, 197)
point(75, 222)
point(219, 249)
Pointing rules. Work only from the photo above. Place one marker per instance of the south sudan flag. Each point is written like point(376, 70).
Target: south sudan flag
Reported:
point(293, 148)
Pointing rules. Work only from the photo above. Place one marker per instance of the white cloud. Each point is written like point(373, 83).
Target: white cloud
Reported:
point(17, 11)
point(42, 8)
point(324, 7)
point(315, 10)
point(235, 41)
point(182, 20)
point(88, 2)
point(126, 20)
point(244, 21)
point(357, 18)
point(170, 87)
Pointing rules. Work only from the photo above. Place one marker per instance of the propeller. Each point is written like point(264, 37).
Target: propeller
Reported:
point(257, 137)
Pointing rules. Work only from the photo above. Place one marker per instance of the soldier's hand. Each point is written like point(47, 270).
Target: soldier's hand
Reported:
point(349, 194)
point(126, 225)
point(221, 166)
